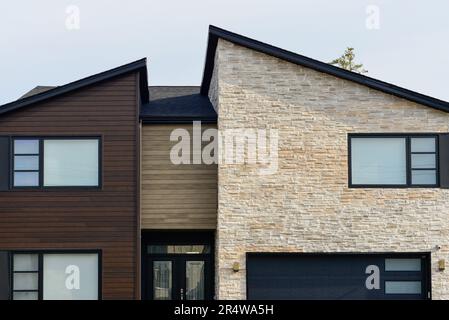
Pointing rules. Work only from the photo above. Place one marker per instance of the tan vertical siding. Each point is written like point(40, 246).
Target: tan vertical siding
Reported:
point(175, 196)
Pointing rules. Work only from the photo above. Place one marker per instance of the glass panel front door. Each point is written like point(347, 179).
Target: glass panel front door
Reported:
point(162, 280)
point(194, 280)
point(178, 265)
point(179, 278)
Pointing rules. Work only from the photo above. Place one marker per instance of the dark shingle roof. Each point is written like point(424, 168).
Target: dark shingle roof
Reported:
point(36, 90)
point(163, 92)
point(174, 104)
point(168, 104)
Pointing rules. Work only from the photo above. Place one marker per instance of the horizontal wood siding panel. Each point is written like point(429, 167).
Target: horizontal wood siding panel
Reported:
point(103, 219)
point(175, 196)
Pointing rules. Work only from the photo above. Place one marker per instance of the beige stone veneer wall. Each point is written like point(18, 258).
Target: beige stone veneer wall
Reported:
point(307, 206)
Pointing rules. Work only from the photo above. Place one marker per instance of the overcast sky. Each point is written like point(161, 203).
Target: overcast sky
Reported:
point(41, 45)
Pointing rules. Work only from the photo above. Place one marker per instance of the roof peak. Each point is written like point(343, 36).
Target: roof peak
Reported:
point(216, 33)
point(135, 66)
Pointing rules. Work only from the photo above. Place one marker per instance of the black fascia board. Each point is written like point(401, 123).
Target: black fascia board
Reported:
point(176, 120)
point(215, 33)
point(136, 66)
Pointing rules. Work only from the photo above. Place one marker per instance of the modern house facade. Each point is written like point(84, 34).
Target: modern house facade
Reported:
point(100, 200)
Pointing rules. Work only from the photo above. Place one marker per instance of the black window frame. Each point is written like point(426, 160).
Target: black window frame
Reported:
point(40, 271)
point(41, 140)
point(5, 275)
point(13, 160)
point(407, 137)
point(409, 276)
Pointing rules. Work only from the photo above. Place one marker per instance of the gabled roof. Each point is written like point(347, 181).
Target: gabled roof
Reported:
point(216, 33)
point(177, 104)
point(136, 66)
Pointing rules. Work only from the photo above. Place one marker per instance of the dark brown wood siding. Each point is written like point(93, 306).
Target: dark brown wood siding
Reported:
point(103, 219)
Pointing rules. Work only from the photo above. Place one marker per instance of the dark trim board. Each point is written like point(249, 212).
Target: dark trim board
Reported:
point(216, 33)
point(178, 236)
point(443, 152)
point(153, 120)
point(5, 159)
point(138, 262)
point(136, 66)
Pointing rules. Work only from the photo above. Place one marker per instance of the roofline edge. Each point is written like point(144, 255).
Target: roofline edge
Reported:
point(138, 65)
point(215, 33)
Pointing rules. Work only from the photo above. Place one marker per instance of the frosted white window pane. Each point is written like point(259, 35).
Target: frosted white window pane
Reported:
point(423, 144)
point(424, 177)
point(403, 287)
point(26, 262)
point(162, 280)
point(25, 296)
point(26, 281)
point(70, 163)
point(70, 276)
point(26, 179)
point(26, 163)
point(378, 161)
point(26, 146)
point(195, 280)
point(425, 161)
point(402, 264)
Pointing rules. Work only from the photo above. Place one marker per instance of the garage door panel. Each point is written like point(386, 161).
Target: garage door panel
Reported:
point(336, 276)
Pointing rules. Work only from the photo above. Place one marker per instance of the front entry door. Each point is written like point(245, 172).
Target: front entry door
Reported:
point(177, 265)
point(182, 277)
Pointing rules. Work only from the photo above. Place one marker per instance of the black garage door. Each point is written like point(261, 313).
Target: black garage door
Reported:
point(338, 276)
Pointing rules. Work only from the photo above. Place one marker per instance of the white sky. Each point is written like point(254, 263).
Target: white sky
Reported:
point(410, 49)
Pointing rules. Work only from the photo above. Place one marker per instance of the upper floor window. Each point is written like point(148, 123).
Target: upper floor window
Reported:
point(26, 163)
point(56, 162)
point(397, 160)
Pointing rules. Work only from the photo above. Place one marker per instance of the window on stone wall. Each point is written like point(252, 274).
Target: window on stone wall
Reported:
point(393, 160)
